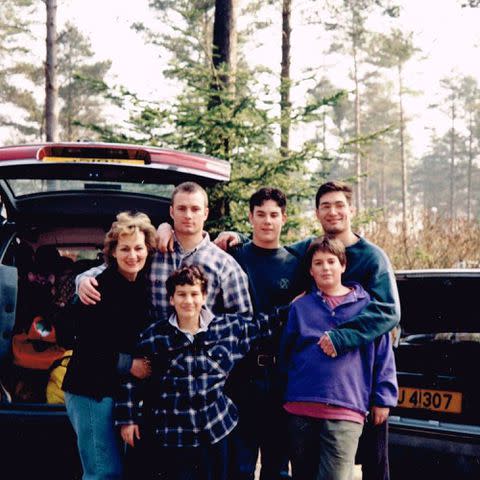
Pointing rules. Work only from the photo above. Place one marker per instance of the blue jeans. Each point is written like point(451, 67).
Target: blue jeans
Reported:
point(322, 449)
point(97, 439)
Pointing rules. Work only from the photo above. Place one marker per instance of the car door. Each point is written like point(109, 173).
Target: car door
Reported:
point(8, 299)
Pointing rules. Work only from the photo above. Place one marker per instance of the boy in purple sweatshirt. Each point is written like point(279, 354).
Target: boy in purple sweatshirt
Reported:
point(328, 398)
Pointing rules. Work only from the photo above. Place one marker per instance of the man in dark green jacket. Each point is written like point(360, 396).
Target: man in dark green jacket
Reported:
point(368, 265)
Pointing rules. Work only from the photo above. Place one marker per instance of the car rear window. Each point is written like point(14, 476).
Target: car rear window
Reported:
point(439, 304)
point(21, 187)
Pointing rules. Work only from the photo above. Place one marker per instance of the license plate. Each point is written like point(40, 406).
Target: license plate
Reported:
point(436, 400)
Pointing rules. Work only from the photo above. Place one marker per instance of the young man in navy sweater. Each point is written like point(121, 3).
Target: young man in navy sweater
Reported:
point(275, 277)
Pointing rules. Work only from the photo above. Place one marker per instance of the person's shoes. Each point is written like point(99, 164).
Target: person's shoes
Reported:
point(5, 396)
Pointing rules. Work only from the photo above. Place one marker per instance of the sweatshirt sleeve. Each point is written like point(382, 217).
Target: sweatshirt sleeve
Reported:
point(377, 318)
point(385, 387)
point(287, 342)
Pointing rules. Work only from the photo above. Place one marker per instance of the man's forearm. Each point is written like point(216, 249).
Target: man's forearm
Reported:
point(375, 319)
point(93, 272)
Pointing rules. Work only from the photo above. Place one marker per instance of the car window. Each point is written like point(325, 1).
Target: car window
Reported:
point(439, 304)
point(24, 186)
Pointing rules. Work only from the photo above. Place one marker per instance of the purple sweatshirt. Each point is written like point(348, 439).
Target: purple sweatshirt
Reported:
point(357, 380)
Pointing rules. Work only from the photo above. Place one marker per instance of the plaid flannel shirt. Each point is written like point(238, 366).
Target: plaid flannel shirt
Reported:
point(183, 402)
point(227, 282)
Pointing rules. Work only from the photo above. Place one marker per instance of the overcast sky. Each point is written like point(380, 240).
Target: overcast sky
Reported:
point(448, 35)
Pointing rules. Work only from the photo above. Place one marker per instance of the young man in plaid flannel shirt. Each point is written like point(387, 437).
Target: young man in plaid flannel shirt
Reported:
point(228, 284)
point(180, 417)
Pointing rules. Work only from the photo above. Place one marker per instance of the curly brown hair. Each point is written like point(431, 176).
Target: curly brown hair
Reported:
point(189, 275)
point(128, 223)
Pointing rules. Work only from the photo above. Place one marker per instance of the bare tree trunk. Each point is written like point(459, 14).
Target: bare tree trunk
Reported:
point(224, 55)
point(358, 163)
point(403, 160)
point(383, 193)
point(366, 181)
point(51, 87)
point(324, 131)
point(207, 44)
point(469, 171)
point(225, 42)
point(285, 104)
point(452, 161)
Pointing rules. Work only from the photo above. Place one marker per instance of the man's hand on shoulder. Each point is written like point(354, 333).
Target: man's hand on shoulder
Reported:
point(226, 240)
point(326, 344)
point(165, 238)
point(87, 291)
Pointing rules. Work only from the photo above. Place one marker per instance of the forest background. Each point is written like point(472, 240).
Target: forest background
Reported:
point(344, 114)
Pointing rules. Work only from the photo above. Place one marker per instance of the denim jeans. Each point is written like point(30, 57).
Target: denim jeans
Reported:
point(322, 449)
point(97, 439)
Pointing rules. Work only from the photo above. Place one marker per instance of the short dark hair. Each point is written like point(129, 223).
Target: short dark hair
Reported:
point(268, 193)
point(329, 244)
point(190, 187)
point(190, 275)
point(334, 186)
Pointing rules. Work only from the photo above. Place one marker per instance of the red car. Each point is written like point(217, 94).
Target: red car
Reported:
point(59, 199)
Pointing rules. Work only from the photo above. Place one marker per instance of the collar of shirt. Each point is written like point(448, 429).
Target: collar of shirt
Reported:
point(351, 296)
point(206, 317)
point(178, 247)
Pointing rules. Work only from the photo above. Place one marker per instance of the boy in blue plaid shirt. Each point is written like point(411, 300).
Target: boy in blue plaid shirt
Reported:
point(185, 416)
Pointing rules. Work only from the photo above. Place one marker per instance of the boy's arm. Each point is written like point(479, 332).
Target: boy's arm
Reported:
point(261, 326)
point(377, 318)
point(126, 404)
point(384, 385)
point(130, 392)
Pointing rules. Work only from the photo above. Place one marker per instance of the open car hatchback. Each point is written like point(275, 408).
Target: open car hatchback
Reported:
point(57, 202)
